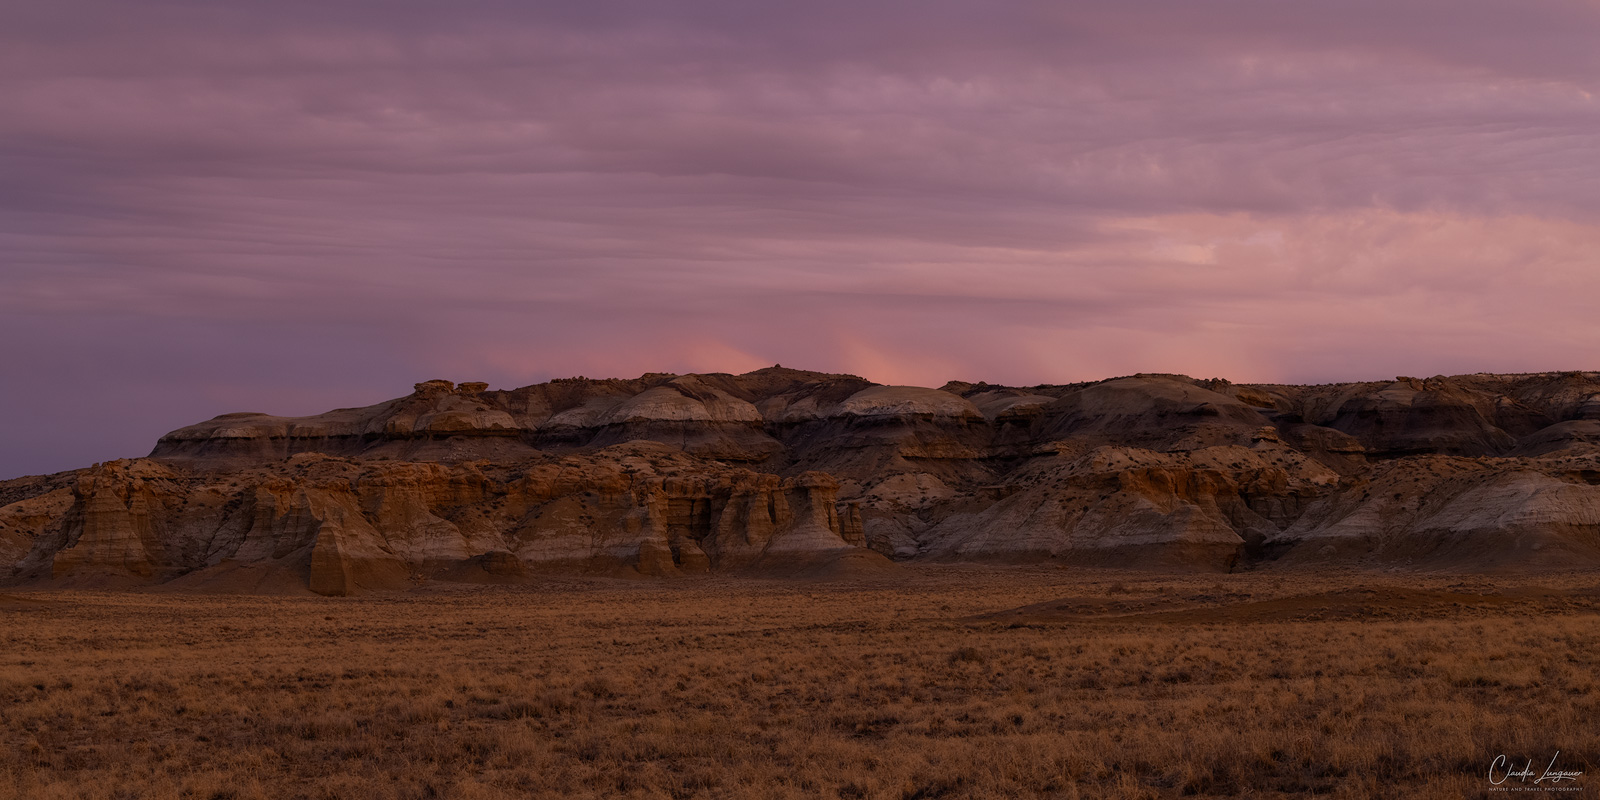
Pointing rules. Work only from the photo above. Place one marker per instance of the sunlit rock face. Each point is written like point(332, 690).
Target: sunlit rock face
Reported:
point(789, 472)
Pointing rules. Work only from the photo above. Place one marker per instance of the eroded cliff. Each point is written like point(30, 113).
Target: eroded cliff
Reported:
point(790, 471)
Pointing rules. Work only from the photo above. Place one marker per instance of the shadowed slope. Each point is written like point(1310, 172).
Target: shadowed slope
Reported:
point(783, 470)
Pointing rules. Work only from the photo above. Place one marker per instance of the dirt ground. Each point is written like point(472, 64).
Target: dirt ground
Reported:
point(940, 681)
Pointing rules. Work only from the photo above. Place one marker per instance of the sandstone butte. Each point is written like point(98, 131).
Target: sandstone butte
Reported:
point(787, 472)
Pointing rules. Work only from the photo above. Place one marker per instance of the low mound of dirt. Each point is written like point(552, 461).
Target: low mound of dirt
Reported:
point(1343, 604)
point(12, 603)
point(833, 565)
point(232, 577)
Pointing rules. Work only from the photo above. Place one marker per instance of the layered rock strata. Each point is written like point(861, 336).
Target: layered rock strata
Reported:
point(788, 471)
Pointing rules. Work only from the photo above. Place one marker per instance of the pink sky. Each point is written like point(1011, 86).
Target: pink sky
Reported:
point(291, 206)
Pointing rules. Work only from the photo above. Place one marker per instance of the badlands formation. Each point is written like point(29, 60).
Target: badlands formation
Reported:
point(787, 472)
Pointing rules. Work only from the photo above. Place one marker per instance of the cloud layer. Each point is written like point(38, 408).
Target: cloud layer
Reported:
point(290, 206)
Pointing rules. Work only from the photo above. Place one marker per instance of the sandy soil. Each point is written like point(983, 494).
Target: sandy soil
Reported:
point(937, 682)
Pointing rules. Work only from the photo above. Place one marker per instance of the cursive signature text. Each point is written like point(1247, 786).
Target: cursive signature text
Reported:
point(1503, 767)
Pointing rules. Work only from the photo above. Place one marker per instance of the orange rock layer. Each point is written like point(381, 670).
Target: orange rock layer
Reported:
point(785, 471)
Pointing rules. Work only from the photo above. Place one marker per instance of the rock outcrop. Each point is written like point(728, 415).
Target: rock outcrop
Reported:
point(787, 471)
point(346, 525)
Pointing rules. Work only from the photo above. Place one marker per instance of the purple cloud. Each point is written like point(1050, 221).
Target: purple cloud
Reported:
point(292, 206)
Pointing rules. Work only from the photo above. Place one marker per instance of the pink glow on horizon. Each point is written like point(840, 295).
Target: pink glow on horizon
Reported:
point(294, 206)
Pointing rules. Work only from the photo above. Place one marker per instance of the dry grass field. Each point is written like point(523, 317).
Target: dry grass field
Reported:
point(942, 682)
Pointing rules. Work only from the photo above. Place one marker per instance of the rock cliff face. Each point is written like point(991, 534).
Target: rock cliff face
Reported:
point(785, 471)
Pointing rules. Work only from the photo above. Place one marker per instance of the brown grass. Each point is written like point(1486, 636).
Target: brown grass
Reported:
point(1101, 685)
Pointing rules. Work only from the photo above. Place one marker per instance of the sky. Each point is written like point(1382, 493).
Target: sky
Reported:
point(297, 205)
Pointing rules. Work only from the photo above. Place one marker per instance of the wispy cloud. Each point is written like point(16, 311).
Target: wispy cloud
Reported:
point(294, 205)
